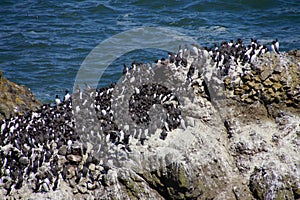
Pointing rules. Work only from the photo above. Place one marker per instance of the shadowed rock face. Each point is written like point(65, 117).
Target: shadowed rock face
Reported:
point(241, 141)
point(15, 98)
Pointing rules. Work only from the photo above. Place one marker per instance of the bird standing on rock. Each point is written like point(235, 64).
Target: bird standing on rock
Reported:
point(67, 96)
point(125, 69)
point(57, 100)
point(275, 46)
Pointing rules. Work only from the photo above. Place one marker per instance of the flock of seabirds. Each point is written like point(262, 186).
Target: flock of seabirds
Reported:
point(31, 141)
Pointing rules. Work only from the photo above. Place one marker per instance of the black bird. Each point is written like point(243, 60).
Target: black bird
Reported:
point(171, 57)
point(125, 69)
point(67, 95)
point(190, 72)
point(274, 46)
point(57, 100)
point(163, 134)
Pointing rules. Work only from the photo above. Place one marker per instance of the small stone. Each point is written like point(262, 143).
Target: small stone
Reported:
point(72, 182)
point(252, 133)
point(257, 79)
point(283, 80)
point(268, 82)
point(278, 69)
point(258, 86)
point(249, 100)
point(92, 167)
point(276, 86)
point(246, 87)
point(251, 84)
point(74, 158)
point(275, 77)
point(270, 91)
point(244, 97)
point(82, 189)
point(289, 102)
point(252, 92)
point(259, 68)
point(238, 91)
point(75, 191)
point(91, 186)
point(266, 73)
point(247, 77)
point(278, 97)
point(72, 171)
point(62, 150)
point(282, 121)
point(24, 160)
point(227, 81)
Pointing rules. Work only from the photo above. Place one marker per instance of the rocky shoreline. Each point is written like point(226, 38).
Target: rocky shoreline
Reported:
point(239, 140)
point(15, 98)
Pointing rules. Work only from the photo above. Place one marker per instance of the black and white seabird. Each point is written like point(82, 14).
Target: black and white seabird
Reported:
point(67, 96)
point(274, 46)
point(125, 69)
point(133, 65)
point(254, 42)
point(230, 44)
point(171, 57)
point(277, 44)
point(57, 100)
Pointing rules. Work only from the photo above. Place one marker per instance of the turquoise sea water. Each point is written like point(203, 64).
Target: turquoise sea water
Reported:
point(43, 43)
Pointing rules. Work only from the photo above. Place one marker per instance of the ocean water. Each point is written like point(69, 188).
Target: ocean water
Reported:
point(43, 43)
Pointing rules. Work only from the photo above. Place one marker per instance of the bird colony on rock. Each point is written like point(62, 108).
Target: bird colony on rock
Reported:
point(66, 141)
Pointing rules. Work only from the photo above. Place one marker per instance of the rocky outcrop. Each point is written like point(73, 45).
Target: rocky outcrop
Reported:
point(274, 79)
point(239, 139)
point(15, 99)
